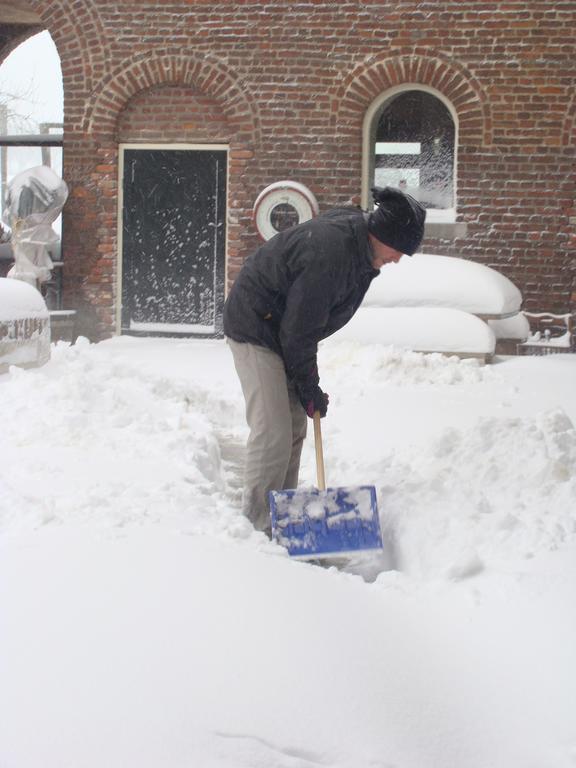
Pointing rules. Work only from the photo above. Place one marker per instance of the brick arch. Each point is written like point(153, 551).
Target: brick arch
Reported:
point(78, 35)
point(204, 73)
point(371, 79)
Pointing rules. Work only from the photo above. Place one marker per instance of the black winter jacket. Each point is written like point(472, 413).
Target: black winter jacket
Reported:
point(300, 287)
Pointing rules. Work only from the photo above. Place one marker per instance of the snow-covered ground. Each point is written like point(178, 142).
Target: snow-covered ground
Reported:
point(144, 624)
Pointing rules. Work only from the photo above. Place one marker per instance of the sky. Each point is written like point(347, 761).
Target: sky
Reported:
point(33, 71)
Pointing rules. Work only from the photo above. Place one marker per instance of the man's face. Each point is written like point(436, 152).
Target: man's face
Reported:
point(383, 254)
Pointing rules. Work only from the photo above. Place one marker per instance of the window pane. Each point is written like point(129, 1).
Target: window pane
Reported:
point(404, 178)
point(31, 102)
point(398, 147)
point(31, 87)
point(414, 148)
point(14, 160)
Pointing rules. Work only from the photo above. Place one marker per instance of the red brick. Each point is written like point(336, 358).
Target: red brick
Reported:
point(287, 86)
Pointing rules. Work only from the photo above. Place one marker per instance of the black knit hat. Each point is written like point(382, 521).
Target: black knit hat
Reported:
point(398, 221)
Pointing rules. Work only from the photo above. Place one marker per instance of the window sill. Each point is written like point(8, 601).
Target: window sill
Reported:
point(443, 230)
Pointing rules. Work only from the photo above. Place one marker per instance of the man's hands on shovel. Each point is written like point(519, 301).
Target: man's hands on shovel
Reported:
point(318, 402)
point(310, 394)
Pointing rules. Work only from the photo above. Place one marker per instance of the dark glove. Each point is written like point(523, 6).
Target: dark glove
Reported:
point(316, 401)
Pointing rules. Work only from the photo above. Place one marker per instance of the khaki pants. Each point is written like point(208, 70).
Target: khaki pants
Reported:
point(277, 423)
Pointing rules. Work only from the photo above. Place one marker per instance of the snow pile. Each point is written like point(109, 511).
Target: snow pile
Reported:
point(108, 446)
point(453, 499)
point(420, 329)
point(354, 365)
point(430, 303)
point(515, 327)
point(18, 301)
point(427, 280)
point(116, 446)
point(481, 498)
point(144, 623)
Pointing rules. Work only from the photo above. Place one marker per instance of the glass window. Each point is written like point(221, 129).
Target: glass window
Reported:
point(31, 87)
point(31, 103)
point(412, 140)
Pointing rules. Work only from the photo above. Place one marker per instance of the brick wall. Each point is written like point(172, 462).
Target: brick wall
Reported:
point(287, 85)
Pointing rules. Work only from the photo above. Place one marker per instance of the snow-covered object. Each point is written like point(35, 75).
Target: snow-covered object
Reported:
point(34, 200)
point(427, 280)
point(24, 325)
point(539, 339)
point(18, 301)
point(516, 327)
point(421, 329)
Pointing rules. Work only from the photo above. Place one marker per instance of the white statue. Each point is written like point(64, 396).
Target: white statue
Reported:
point(34, 200)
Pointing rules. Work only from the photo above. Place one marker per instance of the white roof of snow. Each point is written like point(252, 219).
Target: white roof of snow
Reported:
point(19, 300)
point(421, 329)
point(427, 280)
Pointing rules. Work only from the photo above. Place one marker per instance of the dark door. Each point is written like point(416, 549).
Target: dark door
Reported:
point(173, 241)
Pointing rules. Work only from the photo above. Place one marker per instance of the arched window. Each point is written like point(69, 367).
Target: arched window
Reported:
point(31, 118)
point(410, 143)
point(31, 108)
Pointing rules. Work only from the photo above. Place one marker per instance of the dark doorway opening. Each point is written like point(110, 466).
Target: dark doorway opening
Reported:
point(173, 241)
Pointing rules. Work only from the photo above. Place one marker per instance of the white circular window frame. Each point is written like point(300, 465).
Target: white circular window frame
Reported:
point(446, 215)
point(283, 193)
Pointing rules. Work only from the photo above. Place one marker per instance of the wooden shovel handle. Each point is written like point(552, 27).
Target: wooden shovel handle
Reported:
point(319, 452)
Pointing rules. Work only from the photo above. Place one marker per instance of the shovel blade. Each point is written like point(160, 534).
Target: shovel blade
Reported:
point(337, 521)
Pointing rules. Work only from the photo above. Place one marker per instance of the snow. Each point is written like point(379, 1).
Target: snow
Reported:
point(422, 329)
point(171, 327)
point(428, 280)
point(515, 327)
point(542, 340)
point(144, 623)
point(446, 215)
point(19, 300)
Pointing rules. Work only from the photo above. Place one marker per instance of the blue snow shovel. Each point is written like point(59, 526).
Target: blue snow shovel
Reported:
point(325, 522)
